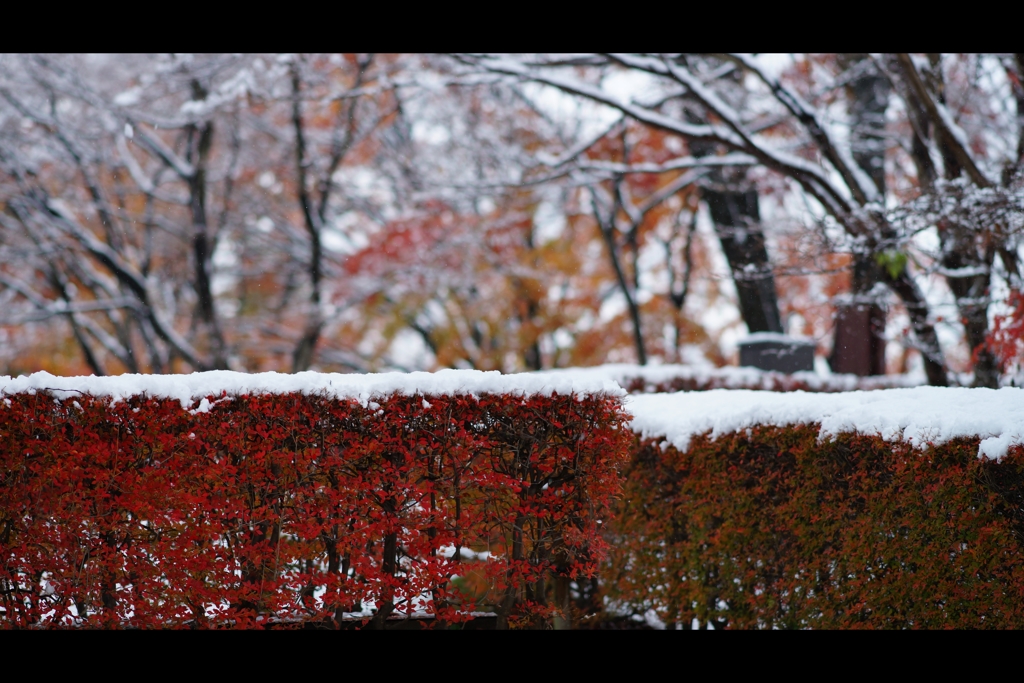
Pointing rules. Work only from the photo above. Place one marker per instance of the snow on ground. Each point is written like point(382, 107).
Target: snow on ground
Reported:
point(197, 386)
point(918, 415)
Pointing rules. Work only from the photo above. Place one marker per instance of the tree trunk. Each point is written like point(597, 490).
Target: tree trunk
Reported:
point(737, 223)
point(971, 292)
point(859, 346)
point(200, 142)
point(924, 331)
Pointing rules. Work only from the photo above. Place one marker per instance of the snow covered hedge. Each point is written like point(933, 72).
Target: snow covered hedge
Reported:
point(225, 499)
point(899, 508)
point(648, 379)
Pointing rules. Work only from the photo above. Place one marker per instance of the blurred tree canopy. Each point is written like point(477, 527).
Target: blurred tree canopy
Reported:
point(360, 212)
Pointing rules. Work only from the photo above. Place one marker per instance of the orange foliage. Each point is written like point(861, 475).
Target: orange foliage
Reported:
point(774, 529)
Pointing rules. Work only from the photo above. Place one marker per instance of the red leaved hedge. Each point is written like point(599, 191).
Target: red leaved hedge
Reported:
point(769, 528)
point(293, 508)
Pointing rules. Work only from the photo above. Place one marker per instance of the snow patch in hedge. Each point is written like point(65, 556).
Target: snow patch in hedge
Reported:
point(919, 415)
point(198, 386)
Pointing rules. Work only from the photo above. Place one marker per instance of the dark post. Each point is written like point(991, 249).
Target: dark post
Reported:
point(777, 352)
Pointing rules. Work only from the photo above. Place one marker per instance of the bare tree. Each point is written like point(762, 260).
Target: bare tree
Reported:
point(125, 180)
point(837, 183)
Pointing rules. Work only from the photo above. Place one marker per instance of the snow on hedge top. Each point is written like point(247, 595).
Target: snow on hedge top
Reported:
point(731, 377)
point(918, 416)
point(199, 385)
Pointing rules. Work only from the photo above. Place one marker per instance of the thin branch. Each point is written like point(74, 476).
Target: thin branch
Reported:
point(733, 159)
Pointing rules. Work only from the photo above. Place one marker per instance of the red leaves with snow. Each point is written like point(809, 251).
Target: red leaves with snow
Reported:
point(294, 508)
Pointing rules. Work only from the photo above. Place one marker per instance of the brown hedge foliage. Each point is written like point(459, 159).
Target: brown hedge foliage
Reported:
point(771, 529)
